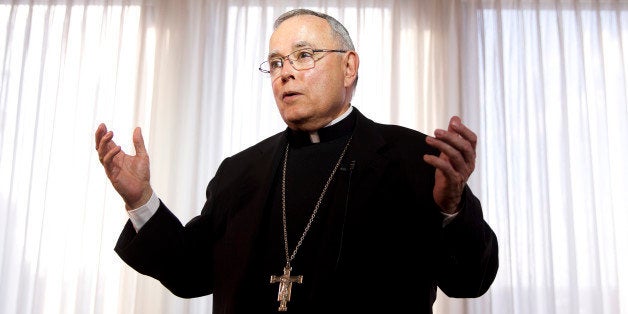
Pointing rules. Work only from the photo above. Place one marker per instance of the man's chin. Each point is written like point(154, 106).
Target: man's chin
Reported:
point(304, 125)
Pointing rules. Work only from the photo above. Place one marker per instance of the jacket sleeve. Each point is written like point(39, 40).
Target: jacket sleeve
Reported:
point(165, 250)
point(180, 257)
point(468, 252)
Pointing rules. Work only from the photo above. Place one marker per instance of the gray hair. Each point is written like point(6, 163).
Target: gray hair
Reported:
point(339, 31)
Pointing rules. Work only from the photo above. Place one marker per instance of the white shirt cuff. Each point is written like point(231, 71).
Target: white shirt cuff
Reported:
point(447, 218)
point(142, 214)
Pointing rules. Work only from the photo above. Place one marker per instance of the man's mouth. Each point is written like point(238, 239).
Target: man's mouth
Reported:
point(289, 95)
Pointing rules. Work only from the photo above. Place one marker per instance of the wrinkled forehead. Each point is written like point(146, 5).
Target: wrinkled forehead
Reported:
point(301, 31)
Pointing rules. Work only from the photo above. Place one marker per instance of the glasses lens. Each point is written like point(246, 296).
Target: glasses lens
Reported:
point(271, 66)
point(302, 59)
point(264, 67)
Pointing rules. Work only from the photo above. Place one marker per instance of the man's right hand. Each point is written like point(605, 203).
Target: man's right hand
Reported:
point(129, 175)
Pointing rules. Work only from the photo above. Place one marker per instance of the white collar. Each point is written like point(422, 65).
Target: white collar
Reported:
point(314, 138)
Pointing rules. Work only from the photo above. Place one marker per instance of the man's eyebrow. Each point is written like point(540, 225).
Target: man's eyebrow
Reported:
point(301, 44)
point(273, 54)
point(296, 46)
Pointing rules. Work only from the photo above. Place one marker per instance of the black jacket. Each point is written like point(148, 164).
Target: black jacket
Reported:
point(395, 251)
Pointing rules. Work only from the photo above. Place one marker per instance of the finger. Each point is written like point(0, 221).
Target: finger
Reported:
point(463, 147)
point(442, 165)
point(100, 131)
point(456, 125)
point(449, 144)
point(138, 142)
point(455, 120)
point(106, 160)
point(105, 145)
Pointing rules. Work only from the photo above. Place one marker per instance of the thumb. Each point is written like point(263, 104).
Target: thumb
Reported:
point(138, 142)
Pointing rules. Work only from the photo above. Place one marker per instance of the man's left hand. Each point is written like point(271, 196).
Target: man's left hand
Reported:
point(454, 164)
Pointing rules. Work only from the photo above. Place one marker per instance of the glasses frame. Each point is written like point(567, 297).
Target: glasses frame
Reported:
point(291, 61)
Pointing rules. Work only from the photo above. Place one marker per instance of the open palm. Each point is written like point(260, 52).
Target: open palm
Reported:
point(129, 175)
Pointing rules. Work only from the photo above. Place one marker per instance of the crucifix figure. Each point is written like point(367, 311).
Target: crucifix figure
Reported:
point(285, 286)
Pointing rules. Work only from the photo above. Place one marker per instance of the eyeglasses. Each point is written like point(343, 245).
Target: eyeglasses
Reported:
point(302, 59)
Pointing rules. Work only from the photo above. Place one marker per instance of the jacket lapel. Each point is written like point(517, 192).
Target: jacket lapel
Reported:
point(366, 151)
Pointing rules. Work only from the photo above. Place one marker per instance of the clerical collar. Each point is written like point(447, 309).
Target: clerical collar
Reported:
point(343, 125)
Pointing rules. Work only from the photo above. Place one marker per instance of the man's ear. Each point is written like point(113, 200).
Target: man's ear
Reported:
point(352, 63)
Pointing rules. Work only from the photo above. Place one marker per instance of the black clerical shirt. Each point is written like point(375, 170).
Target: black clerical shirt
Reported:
point(309, 166)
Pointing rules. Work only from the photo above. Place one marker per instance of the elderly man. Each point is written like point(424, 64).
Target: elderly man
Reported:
point(336, 214)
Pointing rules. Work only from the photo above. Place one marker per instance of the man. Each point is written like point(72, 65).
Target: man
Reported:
point(336, 214)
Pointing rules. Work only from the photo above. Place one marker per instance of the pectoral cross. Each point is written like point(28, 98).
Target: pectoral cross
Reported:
point(285, 286)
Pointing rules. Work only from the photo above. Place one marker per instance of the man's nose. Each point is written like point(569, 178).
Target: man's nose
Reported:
point(287, 70)
point(287, 74)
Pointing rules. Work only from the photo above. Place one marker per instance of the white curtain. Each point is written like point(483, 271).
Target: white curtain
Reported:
point(550, 81)
point(543, 84)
